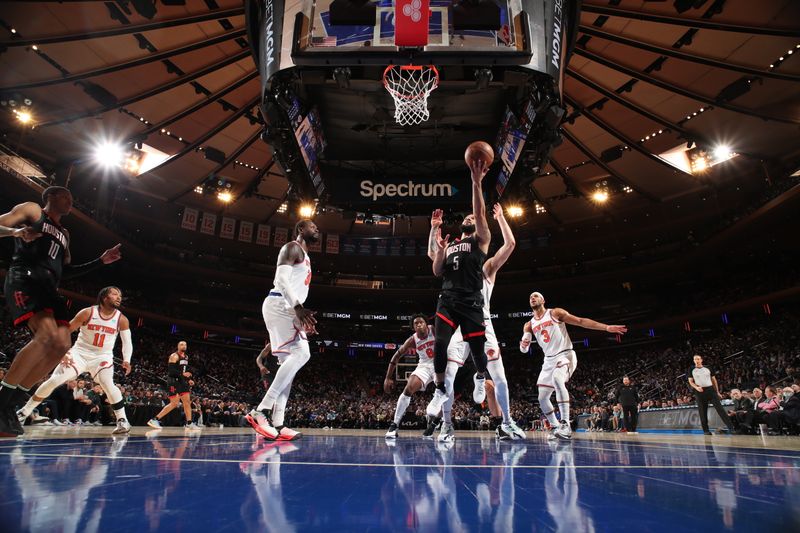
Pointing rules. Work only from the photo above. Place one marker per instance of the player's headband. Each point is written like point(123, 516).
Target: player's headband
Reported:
point(539, 294)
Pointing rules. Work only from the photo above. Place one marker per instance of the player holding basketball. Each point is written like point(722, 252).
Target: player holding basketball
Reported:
point(179, 384)
point(93, 352)
point(421, 342)
point(549, 326)
point(287, 322)
point(460, 264)
point(41, 257)
point(459, 350)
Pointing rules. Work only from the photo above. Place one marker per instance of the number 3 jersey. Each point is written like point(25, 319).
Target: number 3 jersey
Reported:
point(98, 335)
point(551, 334)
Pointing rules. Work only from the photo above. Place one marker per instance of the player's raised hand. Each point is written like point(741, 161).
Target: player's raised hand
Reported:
point(620, 330)
point(478, 169)
point(436, 218)
point(111, 255)
point(127, 367)
point(26, 233)
point(497, 212)
point(440, 242)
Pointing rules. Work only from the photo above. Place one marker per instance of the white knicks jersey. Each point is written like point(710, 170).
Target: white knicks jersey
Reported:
point(424, 347)
point(300, 278)
point(99, 334)
point(551, 334)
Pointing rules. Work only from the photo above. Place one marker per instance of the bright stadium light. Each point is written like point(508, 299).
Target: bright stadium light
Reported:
point(225, 197)
point(109, 154)
point(24, 117)
point(600, 196)
point(722, 153)
point(306, 211)
point(514, 211)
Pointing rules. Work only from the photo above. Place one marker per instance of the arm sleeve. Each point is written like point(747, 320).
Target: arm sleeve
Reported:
point(73, 271)
point(127, 345)
point(282, 276)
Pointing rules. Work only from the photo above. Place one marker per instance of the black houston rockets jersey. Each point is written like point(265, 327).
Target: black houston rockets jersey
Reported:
point(45, 252)
point(463, 268)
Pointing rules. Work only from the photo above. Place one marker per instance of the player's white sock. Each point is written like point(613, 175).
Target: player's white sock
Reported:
point(400, 410)
point(28, 408)
point(562, 397)
point(120, 413)
point(300, 354)
point(498, 373)
point(547, 406)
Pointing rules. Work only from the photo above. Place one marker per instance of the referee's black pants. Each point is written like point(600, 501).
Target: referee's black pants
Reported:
point(703, 399)
point(631, 415)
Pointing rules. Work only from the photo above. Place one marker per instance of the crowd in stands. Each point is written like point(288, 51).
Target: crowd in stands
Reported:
point(760, 358)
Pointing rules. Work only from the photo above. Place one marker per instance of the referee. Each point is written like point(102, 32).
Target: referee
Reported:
point(703, 381)
point(628, 398)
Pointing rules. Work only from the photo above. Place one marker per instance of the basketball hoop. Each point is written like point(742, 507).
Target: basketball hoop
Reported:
point(410, 86)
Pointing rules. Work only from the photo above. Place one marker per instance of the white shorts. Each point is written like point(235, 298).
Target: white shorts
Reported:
point(425, 373)
point(83, 361)
point(458, 349)
point(282, 326)
point(562, 365)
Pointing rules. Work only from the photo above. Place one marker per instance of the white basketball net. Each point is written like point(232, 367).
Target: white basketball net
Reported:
point(410, 86)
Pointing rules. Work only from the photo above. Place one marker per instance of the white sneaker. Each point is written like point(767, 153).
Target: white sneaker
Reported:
point(57, 422)
point(191, 425)
point(479, 392)
point(123, 427)
point(564, 431)
point(261, 424)
point(551, 435)
point(392, 432)
point(510, 432)
point(22, 417)
point(288, 434)
point(447, 433)
point(436, 403)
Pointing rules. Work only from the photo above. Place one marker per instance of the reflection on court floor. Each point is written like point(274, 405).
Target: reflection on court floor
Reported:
point(231, 480)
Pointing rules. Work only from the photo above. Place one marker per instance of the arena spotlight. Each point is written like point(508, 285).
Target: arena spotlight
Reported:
point(600, 196)
point(24, 117)
point(225, 197)
point(722, 153)
point(306, 210)
point(109, 154)
point(514, 211)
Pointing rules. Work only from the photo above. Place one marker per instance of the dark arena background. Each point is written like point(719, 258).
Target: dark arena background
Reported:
point(645, 179)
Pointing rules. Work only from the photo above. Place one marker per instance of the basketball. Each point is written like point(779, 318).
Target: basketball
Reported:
point(479, 150)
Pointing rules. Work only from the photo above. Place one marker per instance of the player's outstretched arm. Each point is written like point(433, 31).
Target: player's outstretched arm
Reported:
point(80, 319)
point(563, 316)
point(499, 259)
point(388, 382)
point(263, 354)
point(436, 223)
point(27, 212)
point(439, 256)
point(478, 169)
point(127, 343)
point(527, 337)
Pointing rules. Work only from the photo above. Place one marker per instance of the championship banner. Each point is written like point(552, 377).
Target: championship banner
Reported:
point(227, 228)
point(190, 217)
point(209, 223)
point(332, 244)
point(246, 231)
point(280, 236)
point(316, 246)
point(262, 236)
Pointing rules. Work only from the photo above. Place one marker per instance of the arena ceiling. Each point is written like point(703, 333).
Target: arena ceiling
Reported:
point(644, 79)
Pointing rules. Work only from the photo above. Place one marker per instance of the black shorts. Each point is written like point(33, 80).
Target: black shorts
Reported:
point(463, 312)
point(178, 387)
point(29, 291)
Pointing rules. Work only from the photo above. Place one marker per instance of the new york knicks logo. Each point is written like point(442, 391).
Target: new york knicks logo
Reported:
point(413, 10)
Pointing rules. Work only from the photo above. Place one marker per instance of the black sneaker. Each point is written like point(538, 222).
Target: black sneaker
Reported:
point(9, 423)
point(433, 424)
